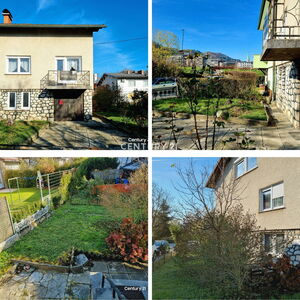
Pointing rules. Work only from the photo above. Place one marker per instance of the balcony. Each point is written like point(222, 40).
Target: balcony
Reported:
point(281, 37)
point(65, 80)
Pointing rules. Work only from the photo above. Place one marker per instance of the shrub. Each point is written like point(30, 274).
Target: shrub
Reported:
point(133, 204)
point(83, 173)
point(107, 99)
point(5, 260)
point(130, 241)
point(138, 109)
point(64, 187)
point(27, 177)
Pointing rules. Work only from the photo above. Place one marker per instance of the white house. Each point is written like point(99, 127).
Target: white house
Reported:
point(128, 81)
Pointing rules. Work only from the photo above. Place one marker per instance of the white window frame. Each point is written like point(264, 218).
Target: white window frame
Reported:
point(271, 190)
point(65, 59)
point(29, 100)
point(246, 166)
point(8, 101)
point(19, 65)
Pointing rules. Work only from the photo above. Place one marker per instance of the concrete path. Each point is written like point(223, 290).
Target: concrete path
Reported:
point(282, 136)
point(94, 134)
point(37, 284)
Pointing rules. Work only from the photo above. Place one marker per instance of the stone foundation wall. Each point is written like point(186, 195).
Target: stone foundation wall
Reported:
point(88, 104)
point(41, 106)
point(288, 90)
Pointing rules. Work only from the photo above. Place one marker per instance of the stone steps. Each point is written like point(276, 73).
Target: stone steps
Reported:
point(97, 292)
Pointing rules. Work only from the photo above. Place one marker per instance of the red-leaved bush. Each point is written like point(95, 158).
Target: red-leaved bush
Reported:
point(130, 241)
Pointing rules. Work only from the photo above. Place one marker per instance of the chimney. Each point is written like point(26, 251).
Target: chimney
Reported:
point(7, 16)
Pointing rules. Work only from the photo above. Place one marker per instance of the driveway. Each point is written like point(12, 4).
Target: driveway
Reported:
point(94, 134)
point(282, 136)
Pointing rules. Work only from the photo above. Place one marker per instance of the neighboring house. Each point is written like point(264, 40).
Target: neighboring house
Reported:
point(189, 58)
point(244, 65)
point(127, 81)
point(8, 163)
point(46, 71)
point(269, 189)
point(280, 23)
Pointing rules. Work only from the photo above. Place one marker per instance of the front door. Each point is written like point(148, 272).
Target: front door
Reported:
point(68, 109)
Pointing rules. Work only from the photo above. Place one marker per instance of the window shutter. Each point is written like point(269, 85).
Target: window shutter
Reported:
point(278, 190)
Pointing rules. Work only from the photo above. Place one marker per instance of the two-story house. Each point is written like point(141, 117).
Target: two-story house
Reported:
point(127, 81)
point(46, 71)
point(280, 22)
point(269, 189)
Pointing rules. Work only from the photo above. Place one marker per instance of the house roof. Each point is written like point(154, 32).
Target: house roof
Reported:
point(217, 172)
point(95, 27)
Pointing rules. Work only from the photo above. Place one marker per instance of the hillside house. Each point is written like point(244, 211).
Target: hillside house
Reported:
point(46, 71)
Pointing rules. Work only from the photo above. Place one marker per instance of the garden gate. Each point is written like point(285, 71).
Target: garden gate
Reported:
point(6, 225)
point(49, 185)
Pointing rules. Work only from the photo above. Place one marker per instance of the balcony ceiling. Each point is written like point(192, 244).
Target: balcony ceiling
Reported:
point(281, 50)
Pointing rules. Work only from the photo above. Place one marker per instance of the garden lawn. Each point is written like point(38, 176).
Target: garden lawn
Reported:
point(20, 131)
point(124, 122)
point(245, 109)
point(27, 197)
point(170, 282)
point(70, 226)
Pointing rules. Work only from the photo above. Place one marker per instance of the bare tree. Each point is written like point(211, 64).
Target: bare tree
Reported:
point(218, 239)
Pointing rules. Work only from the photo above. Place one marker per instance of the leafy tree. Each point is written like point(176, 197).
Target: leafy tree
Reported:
point(161, 215)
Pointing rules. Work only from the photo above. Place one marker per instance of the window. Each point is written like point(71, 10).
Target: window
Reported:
point(244, 165)
point(12, 100)
point(280, 244)
point(131, 83)
point(272, 197)
point(18, 65)
point(267, 242)
point(26, 100)
point(68, 64)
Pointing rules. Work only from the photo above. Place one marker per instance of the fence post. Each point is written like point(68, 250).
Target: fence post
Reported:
point(10, 215)
point(39, 176)
point(18, 188)
point(49, 189)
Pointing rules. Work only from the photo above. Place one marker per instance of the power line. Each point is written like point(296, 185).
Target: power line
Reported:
point(122, 41)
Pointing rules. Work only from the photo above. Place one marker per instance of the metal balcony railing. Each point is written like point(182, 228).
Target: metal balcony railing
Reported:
point(65, 78)
point(282, 20)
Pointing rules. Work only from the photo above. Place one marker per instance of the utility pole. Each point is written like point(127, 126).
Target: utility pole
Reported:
point(182, 40)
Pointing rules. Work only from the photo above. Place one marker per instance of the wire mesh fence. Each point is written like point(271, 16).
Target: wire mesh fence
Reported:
point(28, 195)
point(6, 224)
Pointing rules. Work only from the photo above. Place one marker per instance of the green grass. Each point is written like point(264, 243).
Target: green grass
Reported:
point(70, 226)
point(123, 122)
point(27, 197)
point(20, 131)
point(246, 109)
point(170, 282)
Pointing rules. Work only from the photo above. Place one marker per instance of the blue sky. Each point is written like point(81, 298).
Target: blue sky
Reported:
point(124, 20)
point(164, 172)
point(229, 26)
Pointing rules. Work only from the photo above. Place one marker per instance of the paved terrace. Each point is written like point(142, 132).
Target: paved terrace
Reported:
point(35, 284)
point(282, 136)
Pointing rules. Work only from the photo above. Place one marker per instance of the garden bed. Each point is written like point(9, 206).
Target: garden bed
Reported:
point(244, 109)
point(20, 132)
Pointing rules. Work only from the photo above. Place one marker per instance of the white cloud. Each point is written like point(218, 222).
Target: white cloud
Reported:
point(43, 4)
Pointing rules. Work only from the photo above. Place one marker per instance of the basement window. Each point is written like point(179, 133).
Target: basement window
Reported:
point(26, 100)
point(12, 100)
point(18, 65)
point(272, 197)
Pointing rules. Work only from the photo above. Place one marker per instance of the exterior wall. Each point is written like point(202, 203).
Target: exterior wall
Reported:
point(42, 50)
point(41, 106)
point(270, 171)
point(288, 90)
